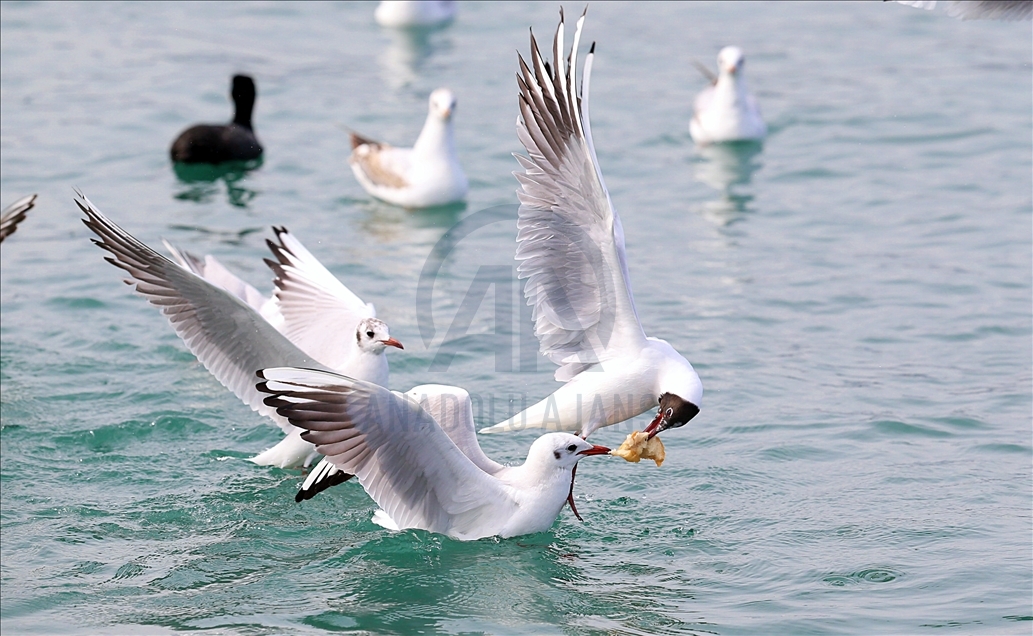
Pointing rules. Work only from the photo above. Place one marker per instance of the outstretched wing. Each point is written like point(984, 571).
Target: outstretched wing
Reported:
point(320, 314)
point(210, 269)
point(403, 459)
point(450, 407)
point(15, 214)
point(229, 338)
point(570, 243)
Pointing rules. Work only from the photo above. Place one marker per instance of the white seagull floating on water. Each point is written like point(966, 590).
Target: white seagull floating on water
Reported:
point(423, 472)
point(726, 110)
point(424, 176)
point(570, 245)
point(411, 467)
point(407, 14)
point(222, 329)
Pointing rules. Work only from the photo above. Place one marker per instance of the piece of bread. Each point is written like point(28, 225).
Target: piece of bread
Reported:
point(639, 446)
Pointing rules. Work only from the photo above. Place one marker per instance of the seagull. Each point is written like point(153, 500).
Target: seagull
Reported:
point(228, 336)
point(217, 143)
point(15, 214)
point(408, 464)
point(310, 306)
point(426, 175)
point(403, 14)
point(726, 110)
point(314, 310)
point(570, 246)
point(1005, 10)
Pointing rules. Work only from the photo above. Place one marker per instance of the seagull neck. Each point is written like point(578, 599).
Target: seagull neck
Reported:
point(435, 136)
point(537, 473)
point(729, 88)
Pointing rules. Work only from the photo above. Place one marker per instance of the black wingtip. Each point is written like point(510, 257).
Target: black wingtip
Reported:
point(591, 50)
point(320, 486)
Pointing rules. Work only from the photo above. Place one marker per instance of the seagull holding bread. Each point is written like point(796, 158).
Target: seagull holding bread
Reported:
point(726, 110)
point(570, 246)
point(232, 340)
point(424, 176)
point(15, 214)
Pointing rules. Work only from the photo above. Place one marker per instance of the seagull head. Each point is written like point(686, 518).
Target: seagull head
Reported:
point(562, 450)
point(373, 336)
point(730, 60)
point(674, 411)
point(442, 103)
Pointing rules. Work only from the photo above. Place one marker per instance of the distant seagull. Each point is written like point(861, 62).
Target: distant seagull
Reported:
point(426, 175)
point(570, 245)
point(15, 214)
point(1006, 10)
point(216, 143)
point(402, 14)
point(228, 336)
point(411, 468)
point(726, 110)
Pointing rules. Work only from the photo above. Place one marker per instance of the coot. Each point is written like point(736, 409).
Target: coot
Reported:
point(216, 143)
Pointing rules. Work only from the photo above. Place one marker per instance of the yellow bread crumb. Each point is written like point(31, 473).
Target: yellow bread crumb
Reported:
point(638, 446)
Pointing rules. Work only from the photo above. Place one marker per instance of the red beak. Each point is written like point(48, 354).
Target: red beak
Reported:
point(391, 342)
point(651, 430)
point(595, 450)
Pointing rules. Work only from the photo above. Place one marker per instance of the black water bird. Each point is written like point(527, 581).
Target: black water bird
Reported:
point(219, 143)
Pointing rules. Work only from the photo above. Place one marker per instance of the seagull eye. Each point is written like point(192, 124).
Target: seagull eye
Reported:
point(572, 448)
point(369, 334)
point(670, 412)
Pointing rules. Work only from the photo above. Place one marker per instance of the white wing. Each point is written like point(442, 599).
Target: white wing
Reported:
point(210, 269)
point(403, 459)
point(15, 214)
point(229, 338)
point(570, 243)
point(320, 314)
point(452, 410)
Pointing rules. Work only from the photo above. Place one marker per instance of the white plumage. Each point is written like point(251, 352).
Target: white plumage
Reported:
point(229, 336)
point(570, 246)
point(726, 110)
point(410, 466)
point(426, 175)
point(402, 14)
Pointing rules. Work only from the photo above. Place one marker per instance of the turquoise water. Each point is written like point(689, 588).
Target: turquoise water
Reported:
point(856, 297)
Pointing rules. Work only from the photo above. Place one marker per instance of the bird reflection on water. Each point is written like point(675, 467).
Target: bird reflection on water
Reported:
point(408, 51)
point(201, 181)
point(727, 168)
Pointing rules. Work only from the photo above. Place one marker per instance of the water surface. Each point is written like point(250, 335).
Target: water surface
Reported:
point(855, 295)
